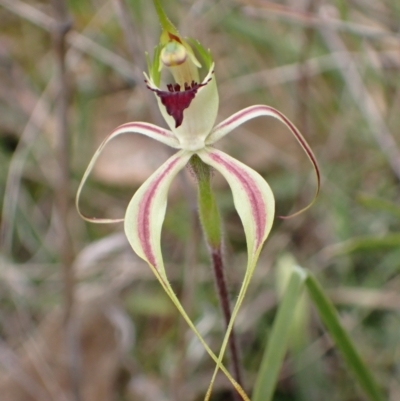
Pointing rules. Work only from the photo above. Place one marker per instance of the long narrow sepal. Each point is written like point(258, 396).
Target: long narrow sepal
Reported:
point(255, 205)
point(150, 130)
point(232, 122)
point(143, 223)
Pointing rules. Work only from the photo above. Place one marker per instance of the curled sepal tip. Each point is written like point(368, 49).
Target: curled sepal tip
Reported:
point(232, 122)
point(150, 130)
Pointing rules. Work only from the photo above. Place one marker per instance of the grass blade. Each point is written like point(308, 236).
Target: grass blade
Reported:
point(278, 341)
point(330, 318)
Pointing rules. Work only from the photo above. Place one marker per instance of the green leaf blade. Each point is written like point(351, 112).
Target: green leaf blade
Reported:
point(279, 339)
point(330, 318)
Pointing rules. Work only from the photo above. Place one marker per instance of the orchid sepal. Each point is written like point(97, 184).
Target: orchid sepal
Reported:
point(150, 130)
point(255, 204)
point(143, 223)
point(242, 116)
point(153, 66)
point(204, 53)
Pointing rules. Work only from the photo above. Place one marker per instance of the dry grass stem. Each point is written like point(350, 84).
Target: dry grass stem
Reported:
point(269, 10)
point(75, 39)
point(362, 97)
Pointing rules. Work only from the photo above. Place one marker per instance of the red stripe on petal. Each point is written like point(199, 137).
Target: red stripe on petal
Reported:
point(133, 126)
point(144, 229)
point(293, 129)
point(258, 207)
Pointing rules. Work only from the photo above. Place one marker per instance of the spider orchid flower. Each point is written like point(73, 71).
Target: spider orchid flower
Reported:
point(189, 105)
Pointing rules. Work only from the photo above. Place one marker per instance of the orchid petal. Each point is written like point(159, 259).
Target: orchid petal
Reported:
point(226, 126)
point(252, 196)
point(143, 223)
point(150, 130)
point(255, 205)
point(146, 210)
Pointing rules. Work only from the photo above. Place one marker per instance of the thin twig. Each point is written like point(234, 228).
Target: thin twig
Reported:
point(362, 97)
point(129, 32)
point(63, 192)
point(267, 9)
point(36, 120)
point(303, 85)
point(131, 35)
point(12, 364)
point(74, 39)
point(293, 72)
point(39, 116)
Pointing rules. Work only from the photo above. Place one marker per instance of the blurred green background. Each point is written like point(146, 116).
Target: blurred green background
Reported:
point(332, 67)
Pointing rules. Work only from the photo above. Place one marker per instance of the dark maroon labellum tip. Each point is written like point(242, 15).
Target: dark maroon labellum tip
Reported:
point(175, 100)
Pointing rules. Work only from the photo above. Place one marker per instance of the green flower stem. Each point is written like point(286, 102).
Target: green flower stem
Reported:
point(211, 223)
point(208, 209)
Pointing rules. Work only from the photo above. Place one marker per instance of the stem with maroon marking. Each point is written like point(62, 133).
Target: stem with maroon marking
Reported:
point(211, 223)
